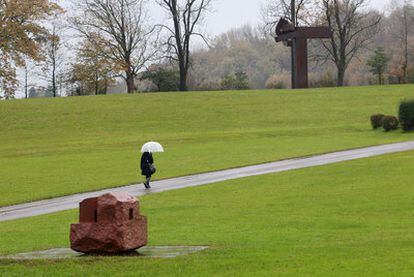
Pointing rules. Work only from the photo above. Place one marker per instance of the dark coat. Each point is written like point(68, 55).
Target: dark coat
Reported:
point(146, 161)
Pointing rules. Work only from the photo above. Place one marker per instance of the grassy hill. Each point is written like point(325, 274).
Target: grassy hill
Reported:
point(53, 147)
point(349, 219)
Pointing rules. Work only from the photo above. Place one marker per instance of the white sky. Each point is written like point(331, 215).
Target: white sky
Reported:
point(228, 14)
point(234, 13)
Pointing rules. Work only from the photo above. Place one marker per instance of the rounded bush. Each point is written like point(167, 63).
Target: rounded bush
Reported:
point(376, 120)
point(390, 123)
point(406, 115)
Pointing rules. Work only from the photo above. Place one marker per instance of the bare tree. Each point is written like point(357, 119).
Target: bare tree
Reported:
point(26, 81)
point(297, 11)
point(52, 65)
point(186, 16)
point(28, 69)
point(353, 29)
point(118, 28)
point(402, 19)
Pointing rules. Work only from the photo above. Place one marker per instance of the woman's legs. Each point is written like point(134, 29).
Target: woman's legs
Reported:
point(147, 182)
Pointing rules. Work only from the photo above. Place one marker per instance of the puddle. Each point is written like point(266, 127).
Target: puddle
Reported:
point(145, 252)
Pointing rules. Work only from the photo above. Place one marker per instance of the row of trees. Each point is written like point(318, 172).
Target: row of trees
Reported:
point(353, 26)
point(22, 37)
point(121, 44)
point(340, 61)
point(114, 40)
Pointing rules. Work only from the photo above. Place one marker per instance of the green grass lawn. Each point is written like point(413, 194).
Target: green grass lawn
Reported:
point(349, 219)
point(53, 147)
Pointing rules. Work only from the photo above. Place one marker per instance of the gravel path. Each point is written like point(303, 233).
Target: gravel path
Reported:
point(72, 201)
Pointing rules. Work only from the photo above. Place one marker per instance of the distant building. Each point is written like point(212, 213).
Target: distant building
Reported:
point(40, 92)
point(36, 93)
point(119, 87)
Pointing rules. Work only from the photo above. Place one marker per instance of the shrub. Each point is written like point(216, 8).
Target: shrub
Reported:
point(376, 120)
point(324, 80)
point(279, 81)
point(406, 115)
point(239, 81)
point(390, 123)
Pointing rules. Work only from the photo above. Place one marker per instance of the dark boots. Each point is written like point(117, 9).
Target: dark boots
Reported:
point(147, 183)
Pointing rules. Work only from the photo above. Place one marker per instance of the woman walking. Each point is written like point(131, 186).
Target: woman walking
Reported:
point(147, 168)
point(147, 161)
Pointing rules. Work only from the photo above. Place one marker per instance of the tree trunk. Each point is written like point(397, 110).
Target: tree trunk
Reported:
point(341, 77)
point(96, 82)
point(183, 78)
point(26, 93)
point(54, 81)
point(106, 87)
point(405, 64)
point(54, 63)
point(159, 86)
point(293, 12)
point(130, 81)
point(96, 87)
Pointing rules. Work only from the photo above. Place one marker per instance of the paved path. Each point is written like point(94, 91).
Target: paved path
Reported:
point(72, 201)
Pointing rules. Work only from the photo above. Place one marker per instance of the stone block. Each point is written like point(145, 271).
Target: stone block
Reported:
point(110, 223)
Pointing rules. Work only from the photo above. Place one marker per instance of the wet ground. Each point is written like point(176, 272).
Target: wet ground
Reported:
point(72, 201)
point(145, 252)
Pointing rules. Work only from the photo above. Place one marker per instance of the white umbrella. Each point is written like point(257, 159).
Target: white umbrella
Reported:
point(152, 147)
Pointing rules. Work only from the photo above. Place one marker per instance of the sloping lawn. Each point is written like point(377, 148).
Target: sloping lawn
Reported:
point(348, 219)
point(54, 147)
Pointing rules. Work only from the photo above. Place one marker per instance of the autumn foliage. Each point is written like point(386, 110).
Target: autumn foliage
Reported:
point(21, 36)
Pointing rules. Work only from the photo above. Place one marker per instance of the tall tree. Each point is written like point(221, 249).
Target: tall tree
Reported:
point(92, 72)
point(26, 81)
point(406, 20)
point(405, 40)
point(353, 29)
point(401, 20)
point(21, 36)
point(186, 16)
point(118, 28)
point(28, 69)
point(54, 53)
point(378, 64)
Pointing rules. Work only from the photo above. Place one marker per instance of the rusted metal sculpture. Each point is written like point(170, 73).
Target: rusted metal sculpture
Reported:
point(297, 38)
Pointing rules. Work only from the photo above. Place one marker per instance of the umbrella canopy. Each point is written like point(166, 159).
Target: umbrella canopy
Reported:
point(152, 147)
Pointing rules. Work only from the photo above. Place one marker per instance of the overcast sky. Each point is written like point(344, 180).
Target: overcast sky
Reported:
point(229, 14)
point(233, 13)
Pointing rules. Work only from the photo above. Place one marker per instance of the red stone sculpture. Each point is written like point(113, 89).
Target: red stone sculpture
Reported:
point(110, 223)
